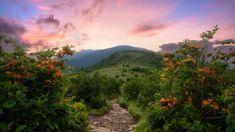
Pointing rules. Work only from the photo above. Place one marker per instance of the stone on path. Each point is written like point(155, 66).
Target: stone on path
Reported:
point(117, 119)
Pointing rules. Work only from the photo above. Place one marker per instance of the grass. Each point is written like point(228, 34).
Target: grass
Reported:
point(121, 72)
point(102, 110)
point(137, 112)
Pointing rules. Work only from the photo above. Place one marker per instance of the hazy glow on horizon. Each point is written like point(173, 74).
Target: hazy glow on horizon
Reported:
point(97, 24)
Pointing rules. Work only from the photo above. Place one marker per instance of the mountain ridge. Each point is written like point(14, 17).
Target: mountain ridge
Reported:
point(87, 58)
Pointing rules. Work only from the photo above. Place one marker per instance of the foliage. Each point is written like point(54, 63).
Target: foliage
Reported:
point(192, 84)
point(33, 92)
point(194, 91)
point(94, 89)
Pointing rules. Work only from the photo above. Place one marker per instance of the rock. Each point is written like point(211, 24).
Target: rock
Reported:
point(116, 120)
point(101, 129)
point(96, 123)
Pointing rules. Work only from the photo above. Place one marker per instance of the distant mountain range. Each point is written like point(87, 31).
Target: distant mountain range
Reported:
point(86, 58)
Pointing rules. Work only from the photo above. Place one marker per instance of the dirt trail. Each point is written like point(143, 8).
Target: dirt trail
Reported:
point(117, 119)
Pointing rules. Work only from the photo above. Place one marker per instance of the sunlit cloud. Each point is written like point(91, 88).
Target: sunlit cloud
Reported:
point(97, 24)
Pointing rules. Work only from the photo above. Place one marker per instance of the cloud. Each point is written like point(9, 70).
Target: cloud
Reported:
point(211, 46)
point(93, 10)
point(67, 27)
point(48, 20)
point(148, 29)
point(62, 3)
point(10, 27)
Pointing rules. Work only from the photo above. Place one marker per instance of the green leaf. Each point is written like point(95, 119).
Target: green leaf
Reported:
point(20, 128)
point(9, 104)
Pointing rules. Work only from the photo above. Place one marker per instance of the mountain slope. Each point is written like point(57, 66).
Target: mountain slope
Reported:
point(90, 57)
point(128, 63)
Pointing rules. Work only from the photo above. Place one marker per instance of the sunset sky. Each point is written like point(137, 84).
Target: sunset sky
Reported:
point(98, 24)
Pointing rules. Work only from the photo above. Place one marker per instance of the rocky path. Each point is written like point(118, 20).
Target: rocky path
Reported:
point(117, 119)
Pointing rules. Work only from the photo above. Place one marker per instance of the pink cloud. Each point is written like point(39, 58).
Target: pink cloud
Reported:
point(148, 29)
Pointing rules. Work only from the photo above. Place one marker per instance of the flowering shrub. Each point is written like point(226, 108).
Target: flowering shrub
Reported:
point(33, 90)
point(193, 88)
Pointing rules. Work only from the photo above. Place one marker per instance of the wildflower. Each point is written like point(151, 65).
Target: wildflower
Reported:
point(165, 107)
point(163, 100)
point(60, 54)
point(24, 67)
point(16, 76)
point(204, 103)
point(214, 105)
point(57, 74)
point(225, 110)
point(207, 71)
point(25, 75)
point(211, 103)
point(49, 67)
point(39, 66)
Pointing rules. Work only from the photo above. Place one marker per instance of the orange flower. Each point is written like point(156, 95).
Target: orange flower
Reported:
point(25, 75)
point(211, 103)
point(205, 103)
point(165, 107)
point(170, 102)
point(207, 71)
point(39, 66)
point(57, 74)
point(214, 105)
point(24, 67)
point(11, 63)
point(60, 54)
point(163, 100)
point(16, 76)
point(49, 67)
point(225, 110)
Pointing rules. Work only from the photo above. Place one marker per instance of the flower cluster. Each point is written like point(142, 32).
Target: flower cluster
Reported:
point(209, 102)
point(168, 102)
point(65, 51)
point(207, 71)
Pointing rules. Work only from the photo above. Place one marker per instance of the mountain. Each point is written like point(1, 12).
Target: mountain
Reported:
point(86, 58)
point(126, 64)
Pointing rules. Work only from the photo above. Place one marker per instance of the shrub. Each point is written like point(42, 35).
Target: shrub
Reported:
point(192, 91)
point(131, 89)
point(33, 92)
point(94, 89)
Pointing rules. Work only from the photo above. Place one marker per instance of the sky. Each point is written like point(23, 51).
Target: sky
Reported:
point(99, 24)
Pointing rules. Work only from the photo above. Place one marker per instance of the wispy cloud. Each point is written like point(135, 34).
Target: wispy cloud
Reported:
point(148, 29)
